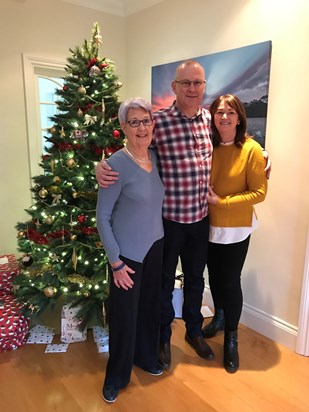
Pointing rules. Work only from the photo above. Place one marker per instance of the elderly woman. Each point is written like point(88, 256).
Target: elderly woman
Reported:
point(238, 182)
point(129, 221)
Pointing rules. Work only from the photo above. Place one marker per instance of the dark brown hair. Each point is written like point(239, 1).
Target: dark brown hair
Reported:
point(241, 129)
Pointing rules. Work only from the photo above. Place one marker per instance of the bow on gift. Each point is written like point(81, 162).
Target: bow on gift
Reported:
point(56, 199)
point(90, 119)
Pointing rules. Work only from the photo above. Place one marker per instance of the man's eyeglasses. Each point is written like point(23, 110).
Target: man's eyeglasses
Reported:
point(136, 122)
point(185, 84)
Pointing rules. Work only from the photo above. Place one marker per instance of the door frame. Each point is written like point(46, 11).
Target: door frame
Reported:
point(302, 345)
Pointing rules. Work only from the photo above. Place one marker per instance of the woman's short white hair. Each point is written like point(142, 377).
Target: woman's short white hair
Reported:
point(136, 103)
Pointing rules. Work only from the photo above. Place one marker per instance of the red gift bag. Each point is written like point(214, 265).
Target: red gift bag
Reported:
point(8, 269)
point(13, 325)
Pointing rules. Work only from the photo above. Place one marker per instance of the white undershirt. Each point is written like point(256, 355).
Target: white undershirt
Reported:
point(227, 235)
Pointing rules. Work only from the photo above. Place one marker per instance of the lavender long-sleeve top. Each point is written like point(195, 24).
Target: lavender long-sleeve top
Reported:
point(129, 212)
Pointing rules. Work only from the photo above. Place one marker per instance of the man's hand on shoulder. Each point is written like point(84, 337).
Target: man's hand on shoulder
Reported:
point(268, 164)
point(104, 174)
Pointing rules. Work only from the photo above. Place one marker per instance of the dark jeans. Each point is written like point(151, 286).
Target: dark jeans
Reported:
point(134, 319)
point(190, 243)
point(225, 263)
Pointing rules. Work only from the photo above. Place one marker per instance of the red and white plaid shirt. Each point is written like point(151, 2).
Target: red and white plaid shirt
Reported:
point(184, 151)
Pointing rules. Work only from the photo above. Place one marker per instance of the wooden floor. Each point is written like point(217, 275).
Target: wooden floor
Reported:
point(271, 378)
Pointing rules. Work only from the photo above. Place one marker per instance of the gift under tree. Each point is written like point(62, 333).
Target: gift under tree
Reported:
point(62, 253)
point(13, 325)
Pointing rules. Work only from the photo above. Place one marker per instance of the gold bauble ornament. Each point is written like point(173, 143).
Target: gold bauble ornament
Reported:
point(57, 179)
point(52, 130)
point(73, 237)
point(43, 193)
point(80, 113)
point(82, 90)
point(86, 294)
point(21, 234)
point(75, 195)
point(55, 189)
point(71, 162)
point(49, 291)
point(49, 220)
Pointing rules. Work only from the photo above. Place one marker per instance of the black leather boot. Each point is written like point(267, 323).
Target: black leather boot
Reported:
point(216, 324)
point(231, 357)
point(165, 355)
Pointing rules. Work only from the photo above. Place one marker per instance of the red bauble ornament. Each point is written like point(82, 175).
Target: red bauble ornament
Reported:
point(65, 88)
point(98, 151)
point(81, 218)
point(116, 134)
point(91, 62)
point(108, 150)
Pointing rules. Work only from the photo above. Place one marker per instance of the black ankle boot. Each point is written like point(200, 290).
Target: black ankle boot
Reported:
point(231, 357)
point(216, 324)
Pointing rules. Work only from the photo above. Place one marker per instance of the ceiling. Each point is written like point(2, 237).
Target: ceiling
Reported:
point(117, 7)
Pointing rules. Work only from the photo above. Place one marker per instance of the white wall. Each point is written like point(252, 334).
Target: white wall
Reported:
point(178, 29)
point(43, 29)
point(169, 31)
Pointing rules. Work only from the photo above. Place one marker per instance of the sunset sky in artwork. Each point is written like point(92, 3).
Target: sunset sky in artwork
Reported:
point(243, 71)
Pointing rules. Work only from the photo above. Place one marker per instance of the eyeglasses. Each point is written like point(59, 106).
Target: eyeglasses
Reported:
point(136, 122)
point(185, 84)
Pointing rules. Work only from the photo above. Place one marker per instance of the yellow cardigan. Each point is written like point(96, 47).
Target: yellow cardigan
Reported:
point(239, 179)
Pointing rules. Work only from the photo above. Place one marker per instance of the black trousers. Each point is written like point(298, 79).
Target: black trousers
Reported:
point(190, 243)
point(225, 263)
point(134, 319)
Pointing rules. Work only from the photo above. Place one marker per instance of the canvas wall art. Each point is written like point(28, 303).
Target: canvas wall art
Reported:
point(243, 71)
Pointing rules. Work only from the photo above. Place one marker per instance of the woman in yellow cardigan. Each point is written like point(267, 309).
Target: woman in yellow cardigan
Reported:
point(238, 181)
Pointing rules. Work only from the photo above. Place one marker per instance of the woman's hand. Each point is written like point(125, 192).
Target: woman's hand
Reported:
point(104, 174)
point(211, 196)
point(268, 164)
point(121, 277)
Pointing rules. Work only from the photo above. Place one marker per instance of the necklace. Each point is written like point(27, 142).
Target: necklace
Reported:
point(135, 158)
point(228, 142)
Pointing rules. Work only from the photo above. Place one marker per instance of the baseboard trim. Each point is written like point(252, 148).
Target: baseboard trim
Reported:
point(274, 328)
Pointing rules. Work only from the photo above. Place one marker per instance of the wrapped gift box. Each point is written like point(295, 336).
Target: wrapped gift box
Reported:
point(101, 337)
point(70, 325)
point(13, 325)
point(8, 269)
point(178, 294)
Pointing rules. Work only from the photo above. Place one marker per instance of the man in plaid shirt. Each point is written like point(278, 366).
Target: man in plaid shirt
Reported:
point(182, 142)
point(184, 150)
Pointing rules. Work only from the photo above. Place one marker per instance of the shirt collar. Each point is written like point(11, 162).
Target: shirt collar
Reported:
point(176, 112)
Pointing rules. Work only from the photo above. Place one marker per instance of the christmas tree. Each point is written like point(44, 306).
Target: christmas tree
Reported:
point(62, 253)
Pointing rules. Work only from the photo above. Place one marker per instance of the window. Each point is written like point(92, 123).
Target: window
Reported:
point(41, 78)
point(47, 107)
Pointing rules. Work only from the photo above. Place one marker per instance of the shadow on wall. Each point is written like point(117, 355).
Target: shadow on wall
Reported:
point(257, 351)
